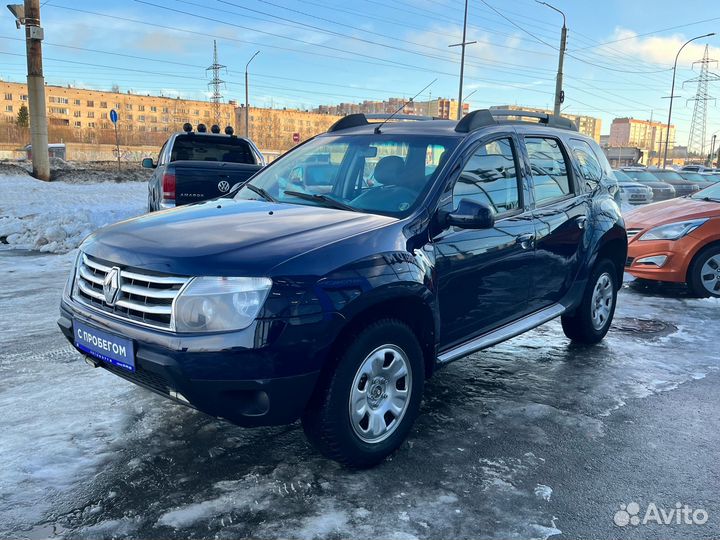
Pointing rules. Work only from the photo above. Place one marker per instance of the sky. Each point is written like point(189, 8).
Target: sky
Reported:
point(618, 63)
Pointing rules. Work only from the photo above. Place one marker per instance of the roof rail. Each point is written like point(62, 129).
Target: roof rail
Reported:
point(486, 117)
point(386, 116)
point(349, 121)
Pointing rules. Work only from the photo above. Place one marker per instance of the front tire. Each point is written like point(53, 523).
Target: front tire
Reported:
point(363, 410)
point(704, 273)
point(589, 323)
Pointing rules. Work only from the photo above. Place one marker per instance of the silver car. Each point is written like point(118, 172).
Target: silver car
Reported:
point(632, 192)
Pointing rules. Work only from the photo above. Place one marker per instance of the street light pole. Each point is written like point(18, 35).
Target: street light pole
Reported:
point(247, 97)
point(559, 96)
point(672, 94)
point(712, 150)
point(462, 60)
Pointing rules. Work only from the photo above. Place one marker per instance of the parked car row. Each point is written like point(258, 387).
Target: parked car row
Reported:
point(663, 184)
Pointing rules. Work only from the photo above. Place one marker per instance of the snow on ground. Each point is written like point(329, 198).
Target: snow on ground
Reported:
point(55, 217)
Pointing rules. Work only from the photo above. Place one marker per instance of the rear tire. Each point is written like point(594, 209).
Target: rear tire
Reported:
point(704, 273)
point(589, 323)
point(364, 409)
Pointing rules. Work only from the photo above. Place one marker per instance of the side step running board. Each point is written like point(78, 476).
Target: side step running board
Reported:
point(501, 334)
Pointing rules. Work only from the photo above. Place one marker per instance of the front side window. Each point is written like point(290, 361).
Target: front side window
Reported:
point(549, 169)
point(490, 178)
point(383, 174)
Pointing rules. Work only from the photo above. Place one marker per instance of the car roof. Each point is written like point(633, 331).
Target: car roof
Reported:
point(482, 119)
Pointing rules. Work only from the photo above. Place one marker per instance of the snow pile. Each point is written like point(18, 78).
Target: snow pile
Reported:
point(55, 217)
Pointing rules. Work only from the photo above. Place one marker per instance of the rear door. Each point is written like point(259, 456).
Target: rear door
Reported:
point(484, 275)
point(562, 207)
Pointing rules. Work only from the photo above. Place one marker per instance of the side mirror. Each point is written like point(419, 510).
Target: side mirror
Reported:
point(610, 184)
point(148, 163)
point(472, 215)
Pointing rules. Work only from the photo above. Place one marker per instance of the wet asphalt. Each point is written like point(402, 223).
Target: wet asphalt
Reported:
point(533, 438)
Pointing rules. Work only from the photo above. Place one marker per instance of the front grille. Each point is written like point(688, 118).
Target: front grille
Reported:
point(144, 298)
point(631, 233)
point(629, 261)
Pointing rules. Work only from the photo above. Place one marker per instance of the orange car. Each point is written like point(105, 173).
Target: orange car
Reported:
point(678, 240)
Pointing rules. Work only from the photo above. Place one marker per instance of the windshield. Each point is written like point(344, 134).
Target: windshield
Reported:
point(383, 174)
point(711, 193)
point(211, 148)
point(695, 177)
point(642, 176)
point(666, 176)
point(621, 177)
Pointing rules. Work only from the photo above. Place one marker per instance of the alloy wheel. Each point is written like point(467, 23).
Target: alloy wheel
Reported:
point(710, 275)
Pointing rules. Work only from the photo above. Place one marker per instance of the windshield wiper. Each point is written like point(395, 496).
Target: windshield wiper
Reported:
point(319, 197)
point(709, 199)
point(260, 191)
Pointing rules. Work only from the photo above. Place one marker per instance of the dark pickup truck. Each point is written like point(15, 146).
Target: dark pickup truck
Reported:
point(195, 166)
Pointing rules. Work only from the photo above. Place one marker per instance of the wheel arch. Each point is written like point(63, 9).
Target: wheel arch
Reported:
point(613, 246)
point(408, 305)
point(698, 252)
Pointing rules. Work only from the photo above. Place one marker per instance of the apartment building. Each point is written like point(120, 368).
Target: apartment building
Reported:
point(438, 107)
point(587, 125)
point(89, 110)
point(281, 129)
point(647, 135)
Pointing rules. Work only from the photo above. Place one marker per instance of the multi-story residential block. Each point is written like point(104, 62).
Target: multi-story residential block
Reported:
point(438, 107)
point(644, 134)
point(587, 125)
point(281, 129)
point(87, 112)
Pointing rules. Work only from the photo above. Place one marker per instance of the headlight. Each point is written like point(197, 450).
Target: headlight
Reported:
point(217, 304)
point(69, 290)
point(673, 231)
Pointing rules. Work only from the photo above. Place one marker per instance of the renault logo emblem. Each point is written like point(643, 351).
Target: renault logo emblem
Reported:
point(111, 286)
point(224, 186)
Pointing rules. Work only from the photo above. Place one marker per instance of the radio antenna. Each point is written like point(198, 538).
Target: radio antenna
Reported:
point(377, 129)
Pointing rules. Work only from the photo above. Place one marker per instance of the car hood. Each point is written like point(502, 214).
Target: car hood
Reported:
point(226, 237)
point(655, 184)
point(670, 211)
point(632, 185)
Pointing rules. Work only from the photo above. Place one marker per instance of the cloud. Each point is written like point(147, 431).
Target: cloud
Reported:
point(655, 49)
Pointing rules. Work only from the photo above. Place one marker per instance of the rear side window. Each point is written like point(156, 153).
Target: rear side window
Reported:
point(588, 164)
point(490, 177)
point(210, 148)
point(549, 169)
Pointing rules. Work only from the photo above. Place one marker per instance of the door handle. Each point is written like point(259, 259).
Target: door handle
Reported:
point(526, 241)
point(581, 221)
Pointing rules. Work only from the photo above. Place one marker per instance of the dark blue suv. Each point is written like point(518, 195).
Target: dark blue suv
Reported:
point(333, 283)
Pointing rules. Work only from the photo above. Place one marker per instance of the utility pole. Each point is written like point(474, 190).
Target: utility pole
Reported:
point(462, 61)
point(712, 151)
point(215, 84)
point(672, 94)
point(29, 15)
point(247, 97)
point(698, 126)
point(559, 94)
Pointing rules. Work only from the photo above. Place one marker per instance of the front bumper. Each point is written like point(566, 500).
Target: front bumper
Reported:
point(663, 195)
point(263, 375)
point(679, 253)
